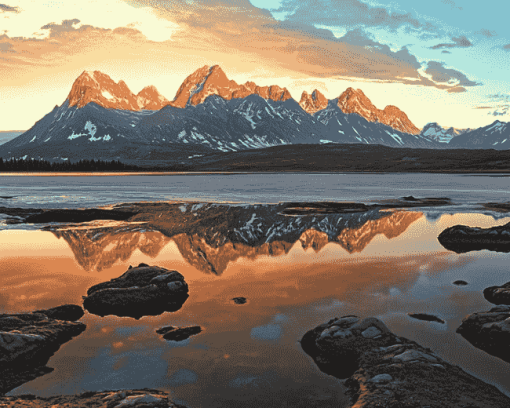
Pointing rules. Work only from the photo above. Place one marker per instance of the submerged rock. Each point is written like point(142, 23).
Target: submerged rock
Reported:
point(141, 291)
point(65, 215)
point(146, 398)
point(461, 238)
point(28, 340)
point(427, 317)
point(498, 295)
point(239, 300)
point(69, 313)
point(383, 370)
point(178, 333)
point(489, 331)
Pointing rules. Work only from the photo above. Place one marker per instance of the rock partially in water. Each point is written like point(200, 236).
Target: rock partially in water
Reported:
point(69, 313)
point(27, 341)
point(178, 333)
point(383, 370)
point(141, 291)
point(498, 295)
point(427, 317)
point(239, 300)
point(489, 331)
point(460, 282)
point(461, 238)
point(66, 215)
point(146, 398)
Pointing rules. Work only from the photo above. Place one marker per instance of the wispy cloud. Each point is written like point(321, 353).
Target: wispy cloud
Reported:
point(506, 47)
point(4, 8)
point(486, 33)
point(458, 42)
point(452, 4)
point(346, 13)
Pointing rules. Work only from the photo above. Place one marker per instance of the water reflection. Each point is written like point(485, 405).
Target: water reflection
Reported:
point(210, 237)
point(384, 265)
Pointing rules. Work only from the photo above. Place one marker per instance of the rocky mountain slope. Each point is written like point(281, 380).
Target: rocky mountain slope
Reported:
point(103, 119)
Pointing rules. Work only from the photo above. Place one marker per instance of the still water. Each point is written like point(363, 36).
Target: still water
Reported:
point(92, 190)
point(386, 266)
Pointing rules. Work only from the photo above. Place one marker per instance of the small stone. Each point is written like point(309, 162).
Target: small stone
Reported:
point(371, 332)
point(381, 378)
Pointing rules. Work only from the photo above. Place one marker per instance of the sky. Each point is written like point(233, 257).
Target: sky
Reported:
point(441, 61)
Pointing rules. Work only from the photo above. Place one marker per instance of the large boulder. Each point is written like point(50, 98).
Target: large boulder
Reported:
point(461, 238)
point(489, 331)
point(384, 370)
point(498, 295)
point(141, 291)
point(28, 340)
point(146, 398)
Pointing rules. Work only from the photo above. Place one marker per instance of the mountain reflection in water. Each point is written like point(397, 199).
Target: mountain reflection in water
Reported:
point(211, 236)
point(296, 273)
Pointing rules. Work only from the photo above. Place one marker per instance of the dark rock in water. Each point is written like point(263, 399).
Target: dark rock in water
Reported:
point(64, 215)
point(427, 317)
point(146, 398)
point(498, 295)
point(239, 300)
point(324, 207)
point(178, 333)
point(27, 341)
point(460, 283)
point(489, 331)
point(384, 370)
point(409, 198)
point(69, 313)
point(461, 238)
point(141, 291)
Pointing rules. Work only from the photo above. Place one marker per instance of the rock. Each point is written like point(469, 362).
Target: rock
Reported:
point(28, 340)
point(65, 215)
point(141, 291)
point(178, 333)
point(69, 313)
point(146, 398)
point(498, 295)
point(427, 317)
point(383, 370)
point(460, 283)
point(461, 238)
point(239, 300)
point(489, 331)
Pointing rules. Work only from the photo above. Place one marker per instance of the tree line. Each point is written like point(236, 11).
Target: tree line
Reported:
point(32, 165)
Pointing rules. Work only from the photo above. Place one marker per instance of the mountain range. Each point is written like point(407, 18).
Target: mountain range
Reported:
point(103, 119)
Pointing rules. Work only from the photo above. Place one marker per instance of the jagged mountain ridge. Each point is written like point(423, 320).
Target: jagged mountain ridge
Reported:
point(494, 136)
point(210, 113)
point(441, 134)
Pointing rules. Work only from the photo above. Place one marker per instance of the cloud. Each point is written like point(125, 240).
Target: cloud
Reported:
point(66, 26)
point(458, 42)
point(446, 52)
point(346, 13)
point(439, 74)
point(107, 14)
point(498, 104)
point(4, 8)
point(506, 47)
point(451, 3)
point(486, 33)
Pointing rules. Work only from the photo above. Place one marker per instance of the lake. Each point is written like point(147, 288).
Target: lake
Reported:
point(296, 273)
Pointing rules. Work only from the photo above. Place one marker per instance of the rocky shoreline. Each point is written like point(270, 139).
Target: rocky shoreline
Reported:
point(384, 370)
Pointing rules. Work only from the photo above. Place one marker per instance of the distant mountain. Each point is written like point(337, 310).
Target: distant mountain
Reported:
point(102, 119)
point(495, 136)
point(441, 134)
